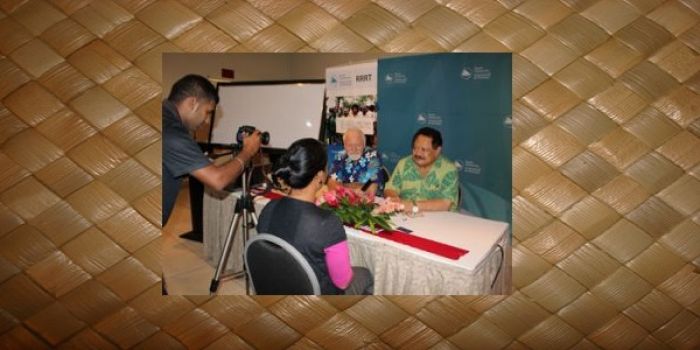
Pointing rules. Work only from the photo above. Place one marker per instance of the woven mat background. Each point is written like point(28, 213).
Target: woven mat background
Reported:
point(606, 174)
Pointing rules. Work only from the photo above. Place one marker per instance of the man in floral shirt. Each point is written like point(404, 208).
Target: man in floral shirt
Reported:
point(425, 181)
point(356, 165)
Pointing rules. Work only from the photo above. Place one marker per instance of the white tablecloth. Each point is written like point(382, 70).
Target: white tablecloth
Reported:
point(217, 214)
point(397, 269)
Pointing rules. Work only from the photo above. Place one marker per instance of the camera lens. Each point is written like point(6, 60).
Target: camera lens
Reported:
point(247, 130)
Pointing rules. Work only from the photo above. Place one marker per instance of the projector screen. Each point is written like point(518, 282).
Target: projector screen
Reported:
point(288, 111)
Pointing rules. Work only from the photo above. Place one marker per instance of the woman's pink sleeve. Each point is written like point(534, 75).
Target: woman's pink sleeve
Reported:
point(338, 263)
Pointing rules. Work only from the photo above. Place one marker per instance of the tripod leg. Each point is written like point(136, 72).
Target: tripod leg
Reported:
point(224, 254)
point(246, 234)
point(255, 218)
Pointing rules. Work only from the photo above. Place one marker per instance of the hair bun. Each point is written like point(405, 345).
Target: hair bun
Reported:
point(283, 173)
point(281, 169)
point(282, 166)
point(302, 161)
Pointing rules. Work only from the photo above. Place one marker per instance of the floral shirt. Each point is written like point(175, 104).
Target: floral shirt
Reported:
point(345, 170)
point(440, 183)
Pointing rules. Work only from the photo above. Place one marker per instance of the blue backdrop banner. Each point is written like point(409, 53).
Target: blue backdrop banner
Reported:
point(467, 97)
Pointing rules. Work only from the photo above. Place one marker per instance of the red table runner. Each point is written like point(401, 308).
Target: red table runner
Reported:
point(271, 195)
point(428, 245)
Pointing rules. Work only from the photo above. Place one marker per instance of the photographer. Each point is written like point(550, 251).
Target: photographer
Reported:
point(191, 102)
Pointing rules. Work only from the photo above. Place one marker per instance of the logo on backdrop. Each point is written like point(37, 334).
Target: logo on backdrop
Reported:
point(468, 167)
point(466, 73)
point(430, 119)
point(476, 73)
point(342, 80)
point(363, 78)
point(395, 78)
point(508, 122)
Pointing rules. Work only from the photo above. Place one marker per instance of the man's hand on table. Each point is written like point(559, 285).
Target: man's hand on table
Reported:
point(405, 203)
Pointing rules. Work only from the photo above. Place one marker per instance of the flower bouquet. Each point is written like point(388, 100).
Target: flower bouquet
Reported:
point(359, 210)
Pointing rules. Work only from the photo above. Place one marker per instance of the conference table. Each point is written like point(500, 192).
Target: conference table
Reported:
point(398, 269)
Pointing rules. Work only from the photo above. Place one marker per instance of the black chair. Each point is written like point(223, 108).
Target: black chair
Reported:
point(275, 267)
point(384, 175)
point(383, 178)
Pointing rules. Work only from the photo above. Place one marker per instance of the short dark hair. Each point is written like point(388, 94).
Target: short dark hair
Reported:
point(193, 85)
point(434, 135)
point(302, 161)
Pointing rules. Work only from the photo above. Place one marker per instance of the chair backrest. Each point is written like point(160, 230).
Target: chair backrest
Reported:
point(384, 175)
point(275, 267)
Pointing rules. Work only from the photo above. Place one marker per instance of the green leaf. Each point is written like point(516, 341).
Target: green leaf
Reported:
point(383, 223)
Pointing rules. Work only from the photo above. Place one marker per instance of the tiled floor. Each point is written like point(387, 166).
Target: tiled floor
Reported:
point(185, 268)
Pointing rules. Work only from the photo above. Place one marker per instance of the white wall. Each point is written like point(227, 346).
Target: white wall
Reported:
point(247, 67)
point(255, 67)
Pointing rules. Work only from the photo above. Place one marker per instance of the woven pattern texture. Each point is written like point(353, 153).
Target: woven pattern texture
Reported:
point(606, 174)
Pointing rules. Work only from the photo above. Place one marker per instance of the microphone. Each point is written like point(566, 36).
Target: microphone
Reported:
point(366, 185)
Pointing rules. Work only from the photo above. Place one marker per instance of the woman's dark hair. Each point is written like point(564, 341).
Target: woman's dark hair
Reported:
point(435, 137)
point(302, 161)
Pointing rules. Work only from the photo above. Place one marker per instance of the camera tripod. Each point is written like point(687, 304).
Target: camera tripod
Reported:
point(244, 216)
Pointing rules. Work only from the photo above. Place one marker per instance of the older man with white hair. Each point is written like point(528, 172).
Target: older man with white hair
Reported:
point(356, 166)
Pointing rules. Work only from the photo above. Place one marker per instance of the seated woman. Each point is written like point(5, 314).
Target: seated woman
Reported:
point(356, 165)
point(316, 233)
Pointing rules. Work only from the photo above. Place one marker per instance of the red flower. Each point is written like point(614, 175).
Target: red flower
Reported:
point(331, 199)
point(353, 199)
point(342, 191)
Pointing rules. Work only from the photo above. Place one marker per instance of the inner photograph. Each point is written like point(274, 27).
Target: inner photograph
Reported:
point(337, 174)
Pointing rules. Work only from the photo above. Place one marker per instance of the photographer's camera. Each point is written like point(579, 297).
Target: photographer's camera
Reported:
point(246, 130)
